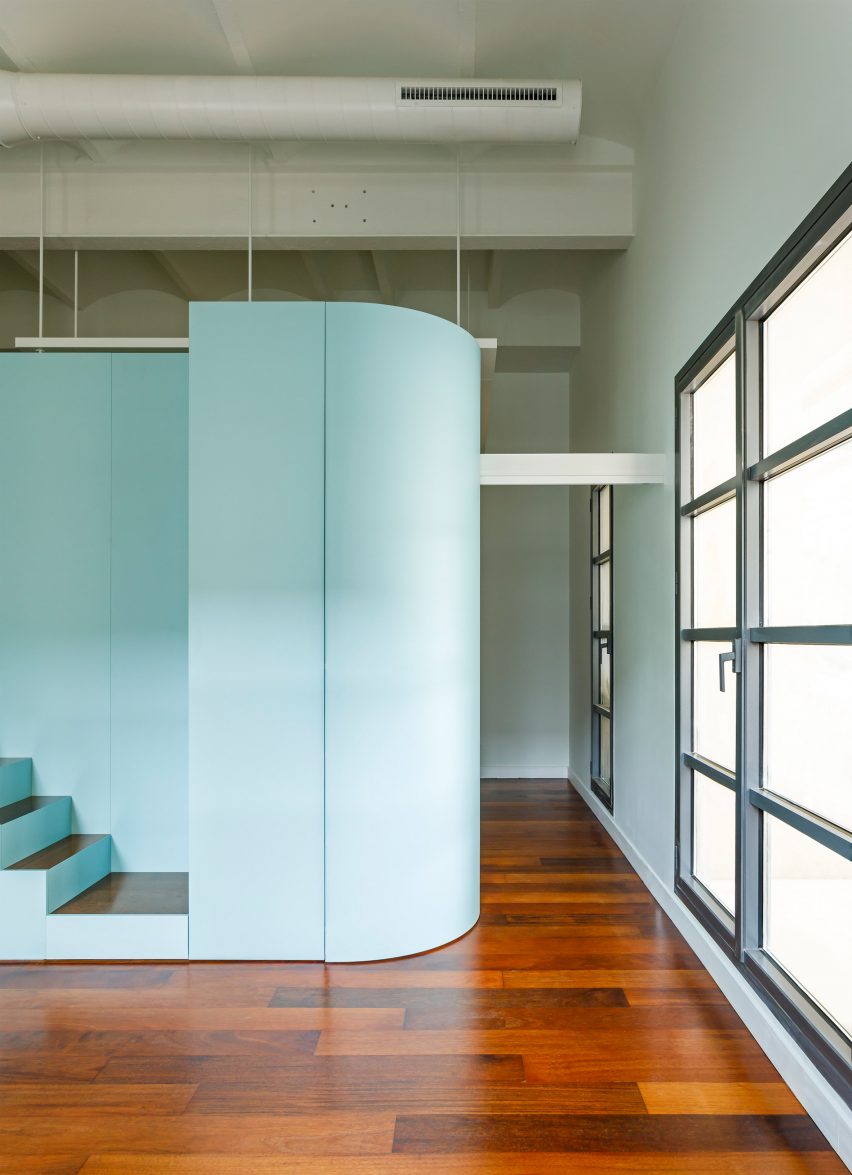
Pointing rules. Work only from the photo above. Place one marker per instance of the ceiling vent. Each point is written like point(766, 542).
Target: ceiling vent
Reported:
point(426, 110)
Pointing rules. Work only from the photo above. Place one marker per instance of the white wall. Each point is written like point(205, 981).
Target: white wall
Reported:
point(749, 125)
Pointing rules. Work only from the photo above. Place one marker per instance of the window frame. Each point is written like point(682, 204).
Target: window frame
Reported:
point(602, 788)
point(740, 332)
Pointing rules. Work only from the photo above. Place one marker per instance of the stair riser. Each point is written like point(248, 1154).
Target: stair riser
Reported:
point(71, 877)
point(29, 834)
point(16, 781)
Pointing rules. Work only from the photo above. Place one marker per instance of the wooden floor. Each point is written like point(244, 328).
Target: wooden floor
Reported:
point(571, 1031)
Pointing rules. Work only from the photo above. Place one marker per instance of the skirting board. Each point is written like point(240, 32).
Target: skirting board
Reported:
point(824, 1105)
point(524, 773)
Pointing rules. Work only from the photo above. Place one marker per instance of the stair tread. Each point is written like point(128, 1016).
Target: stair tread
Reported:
point(132, 893)
point(24, 807)
point(59, 851)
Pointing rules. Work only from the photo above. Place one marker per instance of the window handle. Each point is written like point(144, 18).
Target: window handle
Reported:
point(736, 662)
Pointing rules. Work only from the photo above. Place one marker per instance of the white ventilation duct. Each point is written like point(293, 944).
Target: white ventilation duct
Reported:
point(121, 106)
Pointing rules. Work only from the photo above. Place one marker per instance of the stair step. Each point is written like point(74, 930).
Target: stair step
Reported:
point(60, 851)
point(71, 865)
point(133, 893)
point(31, 824)
point(16, 780)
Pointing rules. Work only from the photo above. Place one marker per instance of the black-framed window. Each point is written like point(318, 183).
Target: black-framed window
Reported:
point(601, 607)
point(764, 615)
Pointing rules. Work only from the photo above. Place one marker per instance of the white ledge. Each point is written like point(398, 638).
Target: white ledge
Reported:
point(566, 469)
point(56, 343)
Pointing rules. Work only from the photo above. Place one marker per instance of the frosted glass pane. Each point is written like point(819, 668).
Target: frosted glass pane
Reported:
point(604, 676)
point(714, 446)
point(603, 506)
point(714, 539)
point(715, 730)
point(808, 352)
point(809, 915)
point(714, 813)
point(807, 732)
point(604, 758)
point(808, 541)
point(603, 598)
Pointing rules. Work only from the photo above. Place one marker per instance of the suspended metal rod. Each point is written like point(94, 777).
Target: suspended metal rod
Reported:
point(76, 288)
point(250, 217)
point(41, 248)
point(458, 240)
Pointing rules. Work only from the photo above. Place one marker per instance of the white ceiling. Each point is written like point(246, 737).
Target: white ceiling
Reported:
point(613, 46)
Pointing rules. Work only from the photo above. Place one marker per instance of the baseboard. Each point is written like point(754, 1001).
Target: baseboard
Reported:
point(524, 772)
point(824, 1105)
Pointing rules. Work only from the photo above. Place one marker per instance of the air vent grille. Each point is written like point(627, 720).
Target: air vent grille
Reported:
point(547, 95)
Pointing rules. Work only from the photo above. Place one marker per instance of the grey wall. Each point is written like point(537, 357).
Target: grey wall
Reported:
point(525, 586)
point(750, 124)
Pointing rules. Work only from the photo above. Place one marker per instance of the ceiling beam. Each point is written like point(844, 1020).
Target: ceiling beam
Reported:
point(174, 274)
point(230, 27)
point(309, 259)
point(26, 265)
point(383, 280)
point(466, 38)
point(18, 58)
point(495, 280)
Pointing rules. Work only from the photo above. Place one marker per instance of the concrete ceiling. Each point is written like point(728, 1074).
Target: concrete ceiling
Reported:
point(613, 46)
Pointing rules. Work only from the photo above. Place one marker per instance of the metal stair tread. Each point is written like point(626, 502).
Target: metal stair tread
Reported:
point(24, 807)
point(59, 851)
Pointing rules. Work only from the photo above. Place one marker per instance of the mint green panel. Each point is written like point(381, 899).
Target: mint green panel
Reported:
point(256, 630)
point(54, 575)
point(71, 876)
point(402, 632)
point(34, 830)
point(149, 612)
point(16, 780)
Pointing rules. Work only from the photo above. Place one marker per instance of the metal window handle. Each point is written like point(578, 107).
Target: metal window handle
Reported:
point(734, 658)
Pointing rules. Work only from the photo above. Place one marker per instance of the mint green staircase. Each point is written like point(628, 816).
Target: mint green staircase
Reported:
point(42, 863)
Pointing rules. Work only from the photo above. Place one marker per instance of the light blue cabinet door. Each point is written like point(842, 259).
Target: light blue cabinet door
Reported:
point(402, 632)
point(55, 573)
point(148, 609)
point(256, 417)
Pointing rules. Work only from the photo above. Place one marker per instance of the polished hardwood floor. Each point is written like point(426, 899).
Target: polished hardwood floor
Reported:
point(571, 1031)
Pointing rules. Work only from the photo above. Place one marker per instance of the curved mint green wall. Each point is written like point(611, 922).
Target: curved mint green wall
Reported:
point(402, 631)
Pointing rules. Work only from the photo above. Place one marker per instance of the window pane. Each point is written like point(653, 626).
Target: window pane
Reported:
point(809, 915)
point(603, 531)
point(604, 757)
point(807, 345)
point(604, 675)
point(603, 596)
point(807, 729)
point(715, 713)
point(714, 809)
point(808, 541)
point(714, 415)
point(714, 540)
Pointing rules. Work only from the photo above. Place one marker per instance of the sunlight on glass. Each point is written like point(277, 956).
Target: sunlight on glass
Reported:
point(604, 749)
point(603, 517)
point(714, 567)
point(807, 348)
point(807, 732)
point(715, 733)
point(714, 446)
point(605, 676)
point(603, 597)
point(714, 809)
point(809, 915)
point(808, 541)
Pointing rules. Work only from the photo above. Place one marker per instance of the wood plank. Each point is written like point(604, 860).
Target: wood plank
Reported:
point(60, 1098)
point(616, 1134)
point(719, 1097)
